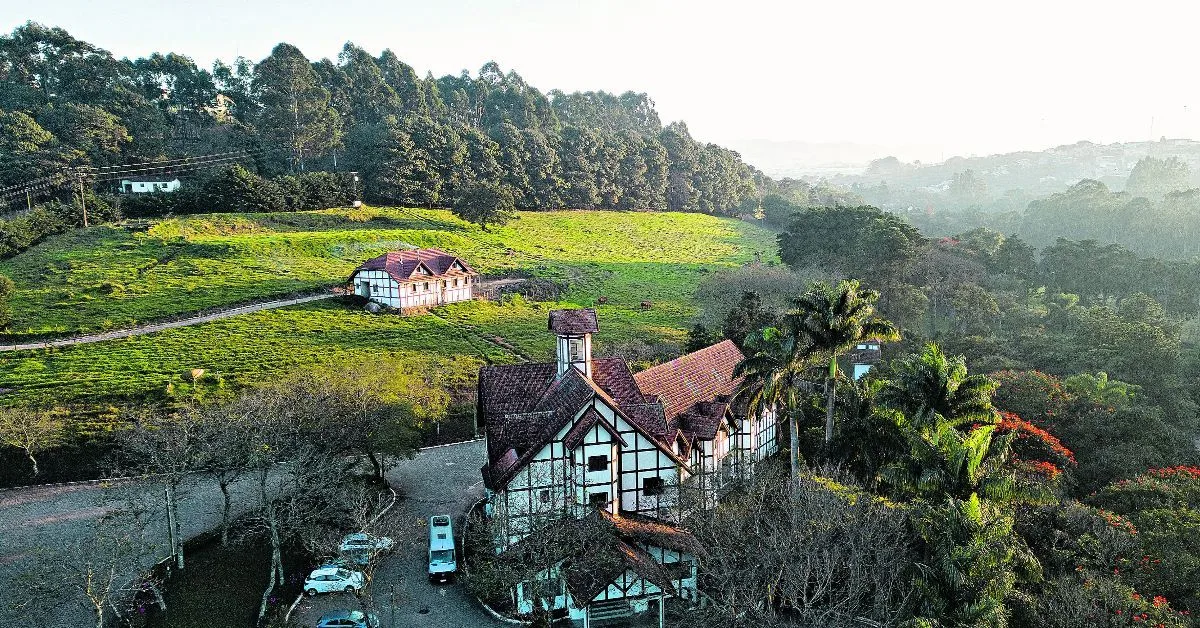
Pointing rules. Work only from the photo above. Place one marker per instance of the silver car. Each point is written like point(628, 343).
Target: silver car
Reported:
point(332, 579)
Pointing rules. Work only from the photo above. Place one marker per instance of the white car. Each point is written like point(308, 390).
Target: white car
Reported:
point(333, 579)
point(360, 541)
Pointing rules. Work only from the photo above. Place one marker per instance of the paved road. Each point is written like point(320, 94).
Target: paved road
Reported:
point(38, 521)
point(443, 480)
point(151, 328)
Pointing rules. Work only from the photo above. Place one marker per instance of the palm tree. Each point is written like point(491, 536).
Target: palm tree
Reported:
point(832, 320)
point(931, 384)
point(770, 374)
point(956, 470)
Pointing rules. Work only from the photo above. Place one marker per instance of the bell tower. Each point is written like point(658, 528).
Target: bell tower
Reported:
point(574, 329)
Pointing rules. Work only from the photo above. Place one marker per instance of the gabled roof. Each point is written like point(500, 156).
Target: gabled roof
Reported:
point(575, 321)
point(590, 418)
point(596, 549)
point(591, 573)
point(523, 406)
point(694, 389)
point(417, 263)
point(164, 178)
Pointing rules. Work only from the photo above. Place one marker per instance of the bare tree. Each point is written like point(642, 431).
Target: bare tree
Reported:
point(224, 451)
point(167, 447)
point(813, 551)
point(298, 460)
point(32, 431)
point(102, 572)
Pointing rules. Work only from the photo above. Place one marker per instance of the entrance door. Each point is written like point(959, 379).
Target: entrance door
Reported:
point(363, 289)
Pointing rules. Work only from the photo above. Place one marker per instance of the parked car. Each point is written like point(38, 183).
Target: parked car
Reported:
point(330, 579)
point(360, 546)
point(441, 549)
point(348, 619)
point(363, 541)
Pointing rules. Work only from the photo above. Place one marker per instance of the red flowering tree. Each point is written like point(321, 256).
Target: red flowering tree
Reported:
point(1164, 506)
point(1036, 455)
point(1038, 397)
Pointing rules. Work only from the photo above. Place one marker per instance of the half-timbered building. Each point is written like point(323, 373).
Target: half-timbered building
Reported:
point(415, 278)
point(582, 435)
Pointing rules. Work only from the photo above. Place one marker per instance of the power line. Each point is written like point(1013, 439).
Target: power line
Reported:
point(165, 162)
point(176, 166)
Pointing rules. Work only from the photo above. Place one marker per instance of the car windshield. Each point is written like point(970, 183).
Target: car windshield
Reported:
point(344, 574)
point(441, 557)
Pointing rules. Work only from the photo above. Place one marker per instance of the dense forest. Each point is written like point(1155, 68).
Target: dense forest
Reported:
point(67, 106)
point(1033, 421)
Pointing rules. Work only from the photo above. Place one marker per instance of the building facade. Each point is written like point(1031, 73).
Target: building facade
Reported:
point(415, 278)
point(143, 185)
point(584, 439)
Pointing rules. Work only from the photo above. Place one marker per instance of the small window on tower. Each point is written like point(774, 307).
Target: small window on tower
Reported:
point(597, 463)
point(575, 349)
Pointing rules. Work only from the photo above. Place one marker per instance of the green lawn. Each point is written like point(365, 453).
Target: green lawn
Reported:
point(108, 276)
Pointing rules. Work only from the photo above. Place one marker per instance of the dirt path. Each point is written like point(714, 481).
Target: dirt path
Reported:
point(153, 327)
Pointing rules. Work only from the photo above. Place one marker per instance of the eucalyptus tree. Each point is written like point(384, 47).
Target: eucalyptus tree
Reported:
point(296, 114)
point(831, 320)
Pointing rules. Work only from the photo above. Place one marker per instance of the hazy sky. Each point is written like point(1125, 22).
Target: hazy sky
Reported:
point(920, 79)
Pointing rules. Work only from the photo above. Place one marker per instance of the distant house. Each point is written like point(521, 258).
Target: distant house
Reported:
point(142, 185)
point(415, 278)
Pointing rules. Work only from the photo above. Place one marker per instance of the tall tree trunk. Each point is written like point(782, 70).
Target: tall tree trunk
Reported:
point(32, 461)
point(830, 396)
point(377, 464)
point(173, 505)
point(276, 555)
point(224, 484)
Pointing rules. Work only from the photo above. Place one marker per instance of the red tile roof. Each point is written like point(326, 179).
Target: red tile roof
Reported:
point(687, 382)
point(404, 265)
point(575, 321)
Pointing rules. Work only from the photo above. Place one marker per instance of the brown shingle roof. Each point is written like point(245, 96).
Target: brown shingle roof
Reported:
point(591, 573)
point(576, 321)
point(404, 265)
point(522, 407)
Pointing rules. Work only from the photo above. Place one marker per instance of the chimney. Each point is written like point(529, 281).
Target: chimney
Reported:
point(574, 329)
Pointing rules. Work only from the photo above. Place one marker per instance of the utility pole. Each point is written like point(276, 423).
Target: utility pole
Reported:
point(28, 200)
point(83, 203)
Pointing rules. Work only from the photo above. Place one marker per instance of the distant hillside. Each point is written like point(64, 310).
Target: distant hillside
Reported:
point(961, 182)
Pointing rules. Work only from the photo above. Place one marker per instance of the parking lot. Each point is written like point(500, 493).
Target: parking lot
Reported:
point(443, 480)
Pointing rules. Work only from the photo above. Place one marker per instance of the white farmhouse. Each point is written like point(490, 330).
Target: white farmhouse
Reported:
point(142, 185)
point(583, 439)
point(414, 278)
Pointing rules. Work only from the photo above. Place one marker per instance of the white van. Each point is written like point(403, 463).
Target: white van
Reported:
point(441, 549)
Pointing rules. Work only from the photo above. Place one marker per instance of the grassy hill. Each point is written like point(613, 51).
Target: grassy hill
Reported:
point(109, 276)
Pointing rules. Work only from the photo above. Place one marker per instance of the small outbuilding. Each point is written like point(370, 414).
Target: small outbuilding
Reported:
point(143, 185)
point(415, 278)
